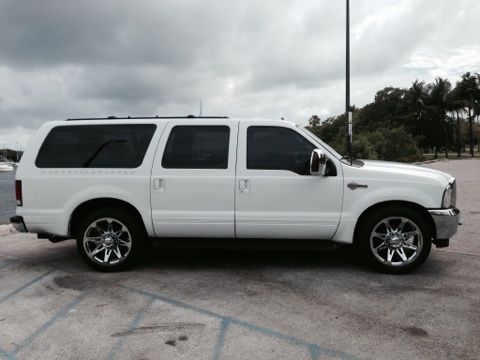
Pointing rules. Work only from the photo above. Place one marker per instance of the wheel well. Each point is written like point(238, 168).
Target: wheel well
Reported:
point(94, 204)
point(406, 204)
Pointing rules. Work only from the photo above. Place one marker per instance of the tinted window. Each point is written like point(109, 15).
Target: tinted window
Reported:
point(278, 148)
point(95, 146)
point(197, 147)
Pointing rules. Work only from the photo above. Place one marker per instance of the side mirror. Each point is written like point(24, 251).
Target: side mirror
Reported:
point(318, 162)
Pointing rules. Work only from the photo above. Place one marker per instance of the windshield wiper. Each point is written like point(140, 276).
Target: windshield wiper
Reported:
point(99, 150)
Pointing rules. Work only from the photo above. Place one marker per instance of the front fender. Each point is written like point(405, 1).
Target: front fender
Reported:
point(356, 202)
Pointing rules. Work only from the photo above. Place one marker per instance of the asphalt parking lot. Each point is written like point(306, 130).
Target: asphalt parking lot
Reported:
point(204, 304)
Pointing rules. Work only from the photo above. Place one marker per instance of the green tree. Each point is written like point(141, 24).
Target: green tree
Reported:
point(417, 95)
point(468, 91)
point(439, 105)
point(314, 121)
point(395, 144)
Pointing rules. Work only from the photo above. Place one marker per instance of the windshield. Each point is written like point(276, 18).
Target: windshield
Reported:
point(316, 138)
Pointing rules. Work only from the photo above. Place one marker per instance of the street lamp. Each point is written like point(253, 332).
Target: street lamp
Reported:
point(348, 112)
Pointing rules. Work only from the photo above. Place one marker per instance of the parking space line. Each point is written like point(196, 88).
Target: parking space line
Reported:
point(138, 317)
point(5, 263)
point(57, 316)
point(175, 302)
point(15, 292)
point(221, 338)
point(315, 350)
point(4, 354)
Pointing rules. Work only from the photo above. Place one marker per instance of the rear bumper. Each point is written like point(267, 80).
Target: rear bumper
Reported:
point(446, 221)
point(18, 224)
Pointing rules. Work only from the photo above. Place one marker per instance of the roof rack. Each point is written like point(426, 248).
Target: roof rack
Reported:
point(149, 117)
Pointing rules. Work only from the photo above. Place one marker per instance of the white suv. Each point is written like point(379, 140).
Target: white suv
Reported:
point(114, 183)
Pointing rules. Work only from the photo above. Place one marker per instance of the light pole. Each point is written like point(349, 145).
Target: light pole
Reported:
point(348, 112)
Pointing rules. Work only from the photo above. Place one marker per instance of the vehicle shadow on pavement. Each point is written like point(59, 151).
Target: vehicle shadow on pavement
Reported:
point(213, 258)
point(328, 258)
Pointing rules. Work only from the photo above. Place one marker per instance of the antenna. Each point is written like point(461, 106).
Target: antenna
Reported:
point(348, 109)
point(200, 112)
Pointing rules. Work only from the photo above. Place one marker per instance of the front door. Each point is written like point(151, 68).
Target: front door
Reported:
point(193, 179)
point(276, 197)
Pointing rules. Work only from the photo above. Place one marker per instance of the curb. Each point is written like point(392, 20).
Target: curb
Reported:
point(430, 161)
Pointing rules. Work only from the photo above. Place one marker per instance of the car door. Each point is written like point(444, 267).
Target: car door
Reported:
point(193, 177)
point(276, 197)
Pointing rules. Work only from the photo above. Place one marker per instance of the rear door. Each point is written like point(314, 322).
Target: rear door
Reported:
point(193, 178)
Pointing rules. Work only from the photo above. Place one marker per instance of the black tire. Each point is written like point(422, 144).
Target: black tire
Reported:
point(396, 255)
point(115, 239)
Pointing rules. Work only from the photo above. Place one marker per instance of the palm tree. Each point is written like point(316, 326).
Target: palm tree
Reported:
point(468, 91)
point(418, 95)
point(439, 94)
point(457, 105)
point(476, 101)
point(314, 121)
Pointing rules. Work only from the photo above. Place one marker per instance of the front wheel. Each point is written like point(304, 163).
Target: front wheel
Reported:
point(395, 240)
point(110, 239)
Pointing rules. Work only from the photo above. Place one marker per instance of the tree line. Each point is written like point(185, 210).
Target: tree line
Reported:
point(405, 124)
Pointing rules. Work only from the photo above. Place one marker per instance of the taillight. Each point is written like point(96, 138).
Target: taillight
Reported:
point(18, 192)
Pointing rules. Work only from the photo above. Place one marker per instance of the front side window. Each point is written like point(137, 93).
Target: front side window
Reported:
point(197, 147)
point(95, 146)
point(278, 148)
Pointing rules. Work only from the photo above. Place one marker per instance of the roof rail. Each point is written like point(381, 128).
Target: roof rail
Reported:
point(148, 117)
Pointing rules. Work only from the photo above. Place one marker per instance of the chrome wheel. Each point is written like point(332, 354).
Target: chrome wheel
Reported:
point(107, 241)
point(396, 241)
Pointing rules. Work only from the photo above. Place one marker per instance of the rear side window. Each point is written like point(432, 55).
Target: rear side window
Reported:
point(95, 146)
point(197, 147)
point(278, 148)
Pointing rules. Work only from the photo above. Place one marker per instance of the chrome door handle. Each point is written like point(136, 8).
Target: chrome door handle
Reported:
point(159, 185)
point(243, 186)
point(354, 185)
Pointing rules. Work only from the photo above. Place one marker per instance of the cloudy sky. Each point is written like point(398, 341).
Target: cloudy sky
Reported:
point(249, 58)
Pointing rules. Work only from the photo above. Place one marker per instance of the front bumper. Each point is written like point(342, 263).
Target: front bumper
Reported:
point(18, 224)
point(446, 221)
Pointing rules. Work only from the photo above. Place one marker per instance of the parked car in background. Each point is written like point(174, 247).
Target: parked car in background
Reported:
point(115, 183)
point(5, 164)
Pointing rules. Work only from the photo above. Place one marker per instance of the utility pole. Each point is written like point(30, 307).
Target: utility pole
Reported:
point(348, 110)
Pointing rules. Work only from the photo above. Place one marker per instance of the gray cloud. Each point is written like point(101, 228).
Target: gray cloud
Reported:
point(62, 59)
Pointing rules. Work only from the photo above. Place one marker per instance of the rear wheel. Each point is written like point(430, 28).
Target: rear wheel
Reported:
point(110, 239)
point(395, 240)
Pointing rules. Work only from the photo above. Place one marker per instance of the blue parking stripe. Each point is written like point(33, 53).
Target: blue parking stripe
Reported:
point(221, 338)
point(315, 350)
point(16, 291)
point(175, 302)
point(5, 263)
point(5, 355)
point(57, 316)
point(140, 314)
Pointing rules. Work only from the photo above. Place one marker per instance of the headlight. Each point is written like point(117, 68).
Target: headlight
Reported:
point(449, 195)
